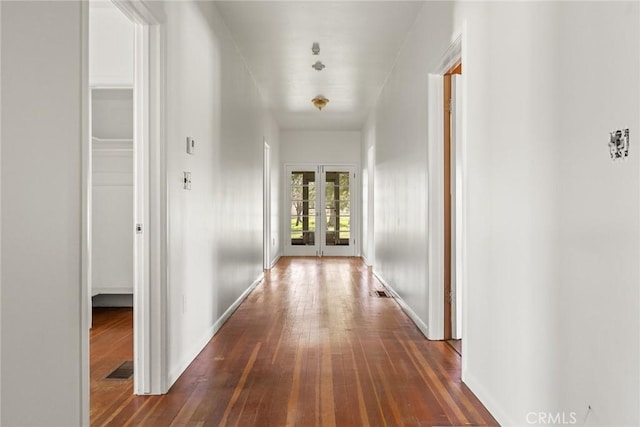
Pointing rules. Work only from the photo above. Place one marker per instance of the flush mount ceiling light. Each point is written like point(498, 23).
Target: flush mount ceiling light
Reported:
point(315, 48)
point(320, 102)
point(318, 66)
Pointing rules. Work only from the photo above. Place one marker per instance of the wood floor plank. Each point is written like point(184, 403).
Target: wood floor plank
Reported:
point(310, 346)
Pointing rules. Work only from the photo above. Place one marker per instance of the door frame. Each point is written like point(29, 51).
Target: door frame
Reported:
point(266, 212)
point(455, 317)
point(368, 210)
point(151, 254)
point(435, 185)
point(150, 201)
point(288, 249)
point(451, 211)
point(354, 218)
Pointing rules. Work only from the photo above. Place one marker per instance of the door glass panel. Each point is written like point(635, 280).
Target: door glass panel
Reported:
point(303, 208)
point(303, 230)
point(299, 207)
point(344, 207)
point(337, 208)
point(338, 238)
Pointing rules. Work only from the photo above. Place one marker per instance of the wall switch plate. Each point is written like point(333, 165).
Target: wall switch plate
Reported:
point(191, 145)
point(187, 180)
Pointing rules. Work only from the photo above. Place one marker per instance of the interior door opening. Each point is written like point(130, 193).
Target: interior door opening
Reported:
point(116, 202)
point(452, 208)
point(266, 191)
point(320, 202)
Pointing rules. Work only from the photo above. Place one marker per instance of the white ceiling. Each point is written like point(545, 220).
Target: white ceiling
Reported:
point(359, 42)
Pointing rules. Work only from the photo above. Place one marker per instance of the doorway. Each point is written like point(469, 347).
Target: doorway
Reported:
point(112, 203)
point(266, 194)
point(452, 207)
point(321, 206)
point(148, 226)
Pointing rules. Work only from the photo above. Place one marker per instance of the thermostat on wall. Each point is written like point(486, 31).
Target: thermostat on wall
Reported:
point(191, 145)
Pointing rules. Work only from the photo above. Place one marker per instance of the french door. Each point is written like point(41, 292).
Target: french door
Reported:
point(321, 212)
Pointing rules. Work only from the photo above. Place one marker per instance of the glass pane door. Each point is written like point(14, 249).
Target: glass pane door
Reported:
point(337, 218)
point(302, 203)
point(319, 210)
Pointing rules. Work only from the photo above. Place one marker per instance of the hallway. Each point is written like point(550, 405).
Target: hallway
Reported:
point(312, 346)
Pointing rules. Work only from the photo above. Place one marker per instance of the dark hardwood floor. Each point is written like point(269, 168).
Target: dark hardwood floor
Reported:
point(111, 344)
point(456, 344)
point(310, 346)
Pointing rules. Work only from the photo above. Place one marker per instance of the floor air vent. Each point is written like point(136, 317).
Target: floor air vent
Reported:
point(381, 294)
point(122, 372)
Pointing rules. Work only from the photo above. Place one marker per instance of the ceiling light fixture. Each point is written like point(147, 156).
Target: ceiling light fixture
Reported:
point(315, 48)
point(320, 102)
point(318, 66)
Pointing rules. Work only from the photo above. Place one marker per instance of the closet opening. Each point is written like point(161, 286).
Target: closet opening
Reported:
point(111, 210)
point(124, 63)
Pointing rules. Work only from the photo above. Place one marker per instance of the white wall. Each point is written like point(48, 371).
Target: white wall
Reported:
point(276, 191)
point(112, 113)
point(41, 213)
point(110, 46)
point(566, 277)
point(215, 229)
point(367, 183)
point(552, 246)
point(324, 147)
point(112, 191)
point(111, 74)
point(0, 216)
point(397, 128)
point(599, 268)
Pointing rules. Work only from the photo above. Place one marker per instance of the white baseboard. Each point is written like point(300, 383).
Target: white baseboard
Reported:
point(405, 307)
point(487, 400)
point(275, 261)
point(366, 261)
point(204, 340)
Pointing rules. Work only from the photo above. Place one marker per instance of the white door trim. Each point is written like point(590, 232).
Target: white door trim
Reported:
point(266, 213)
point(371, 166)
point(456, 206)
point(435, 186)
point(150, 251)
point(435, 211)
point(141, 282)
point(150, 284)
point(85, 255)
